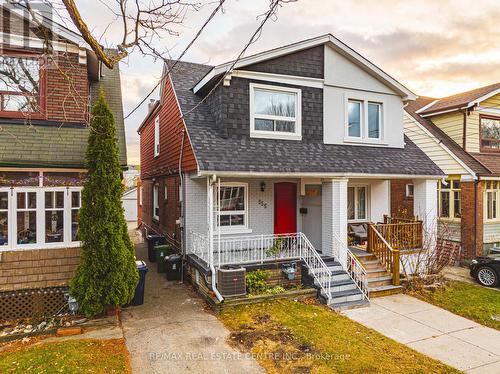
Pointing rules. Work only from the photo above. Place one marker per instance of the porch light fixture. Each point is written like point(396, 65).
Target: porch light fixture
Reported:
point(262, 186)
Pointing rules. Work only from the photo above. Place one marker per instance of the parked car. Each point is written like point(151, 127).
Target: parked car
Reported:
point(486, 270)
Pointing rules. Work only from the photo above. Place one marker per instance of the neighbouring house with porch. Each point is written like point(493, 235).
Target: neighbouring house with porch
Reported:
point(45, 100)
point(294, 150)
point(461, 134)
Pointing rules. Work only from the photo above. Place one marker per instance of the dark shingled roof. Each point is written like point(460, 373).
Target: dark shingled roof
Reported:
point(461, 99)
point(215, 153)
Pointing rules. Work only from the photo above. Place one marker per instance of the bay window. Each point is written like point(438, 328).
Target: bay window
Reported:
point(363, 120)
point(275, 112)
point(357, 205)
point(233, 205)
point(449, 199)
point(492, 202)
point(21, 84)
point(490, 133)
point(43, 217)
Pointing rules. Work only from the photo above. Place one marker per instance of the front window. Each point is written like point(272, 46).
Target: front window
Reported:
point(20, 84)
point(156, 205)
point(354, 120)
point(363, 120)
point(490, 133)
point(157, 137)
point(54, 216)
point(357, 206)
point(449, 198)
point(233, 200)
point(4, 218)
point(275, 111)
point(492, 200)
point(76, 203)
point(26, 217)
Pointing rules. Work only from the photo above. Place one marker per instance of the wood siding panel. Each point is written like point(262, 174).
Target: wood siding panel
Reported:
point(171, 132)
point(492, 232)
point(452, 124)
point(472, 126)
point(432, 149)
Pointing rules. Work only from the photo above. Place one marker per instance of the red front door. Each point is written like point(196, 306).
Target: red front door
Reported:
point(285, 208)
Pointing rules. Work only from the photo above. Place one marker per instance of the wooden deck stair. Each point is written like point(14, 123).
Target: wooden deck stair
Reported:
point(379, 279)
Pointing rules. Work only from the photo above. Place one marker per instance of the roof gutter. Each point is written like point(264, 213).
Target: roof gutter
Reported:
point(250, 174)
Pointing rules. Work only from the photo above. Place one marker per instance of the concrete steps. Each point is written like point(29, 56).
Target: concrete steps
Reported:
point(343, 293)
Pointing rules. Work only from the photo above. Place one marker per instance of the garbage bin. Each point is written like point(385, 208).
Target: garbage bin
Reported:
point(139, 290)
point(162, 251)
point(154, 240)
point(173, 267)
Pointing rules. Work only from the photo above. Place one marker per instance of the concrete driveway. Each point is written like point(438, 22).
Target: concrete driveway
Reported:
point(172, 333)
point(433, 331)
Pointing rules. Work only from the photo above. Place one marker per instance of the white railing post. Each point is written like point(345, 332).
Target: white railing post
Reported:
point(262, 249)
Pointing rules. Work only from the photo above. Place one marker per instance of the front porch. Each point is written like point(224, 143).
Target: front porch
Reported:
point(249, 221)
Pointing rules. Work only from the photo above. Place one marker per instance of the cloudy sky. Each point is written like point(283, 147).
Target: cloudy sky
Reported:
point(434, 47)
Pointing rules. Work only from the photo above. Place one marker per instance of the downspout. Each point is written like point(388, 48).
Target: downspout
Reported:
point(210, 231)
point(181, 186)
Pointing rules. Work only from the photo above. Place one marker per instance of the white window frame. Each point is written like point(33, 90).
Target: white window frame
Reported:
point(381, 111)
point(356, 203)
point(364, 138)
point(297, 135)
point(491, 188)
point(71, 209)
point(237, 228)
point(141, 191)
point(408, 193)
point(165, 197)
point(9, 216)
point(40, 218)
point(157, 137)
point(156, 202)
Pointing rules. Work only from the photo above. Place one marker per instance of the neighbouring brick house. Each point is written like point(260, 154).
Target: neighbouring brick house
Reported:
point(461, 134)
point(295, 146)
point(45, 101)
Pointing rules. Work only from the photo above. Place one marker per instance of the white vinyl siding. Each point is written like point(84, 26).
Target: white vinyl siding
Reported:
point(432, 147)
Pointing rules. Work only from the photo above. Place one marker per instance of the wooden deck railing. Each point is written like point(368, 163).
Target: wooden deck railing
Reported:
point(401, 233)
point(388, 256)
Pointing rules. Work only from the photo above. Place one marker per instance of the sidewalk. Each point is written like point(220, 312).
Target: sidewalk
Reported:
point(172, 333)
point(435, 332)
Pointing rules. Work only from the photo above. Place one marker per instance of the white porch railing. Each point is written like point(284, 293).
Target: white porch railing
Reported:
point(351, 265)
point(200, 246)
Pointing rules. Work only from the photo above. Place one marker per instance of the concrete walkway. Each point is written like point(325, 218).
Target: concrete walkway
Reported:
point(433, 331)
point(172, 333)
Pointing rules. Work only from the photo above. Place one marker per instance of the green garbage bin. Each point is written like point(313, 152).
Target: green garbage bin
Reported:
point(162, 251)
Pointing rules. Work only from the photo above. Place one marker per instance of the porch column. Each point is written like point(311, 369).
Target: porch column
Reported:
point(426, 209)
point(334, 218)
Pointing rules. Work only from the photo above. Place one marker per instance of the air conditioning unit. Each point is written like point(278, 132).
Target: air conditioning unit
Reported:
point(231, 281)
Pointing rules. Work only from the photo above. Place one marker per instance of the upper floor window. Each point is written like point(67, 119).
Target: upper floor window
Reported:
point(492, 203)
point(275, 112)
point(364, 120)
point(450, 204)
point(490, 133)
point(20, 84)
point(157, 136)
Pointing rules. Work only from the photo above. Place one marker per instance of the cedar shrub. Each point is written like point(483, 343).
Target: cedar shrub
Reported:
point(107, 274)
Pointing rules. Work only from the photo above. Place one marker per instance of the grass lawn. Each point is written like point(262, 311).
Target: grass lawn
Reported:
point(303, 337)
point(70, 356)
point(468, 300)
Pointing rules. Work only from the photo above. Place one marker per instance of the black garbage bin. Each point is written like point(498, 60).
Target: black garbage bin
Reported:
point(139, 290)
point(162, 251)
point(153, 241)
point(173, 267)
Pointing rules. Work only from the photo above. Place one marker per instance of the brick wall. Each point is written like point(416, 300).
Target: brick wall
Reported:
point(472, 219)
point(170, 209)
point(67, 89)
point(37, 268)
point(401, 205)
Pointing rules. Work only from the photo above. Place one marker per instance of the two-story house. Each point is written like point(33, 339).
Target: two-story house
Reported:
point(49, 79)
point(294, 145)
point(461, 133)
